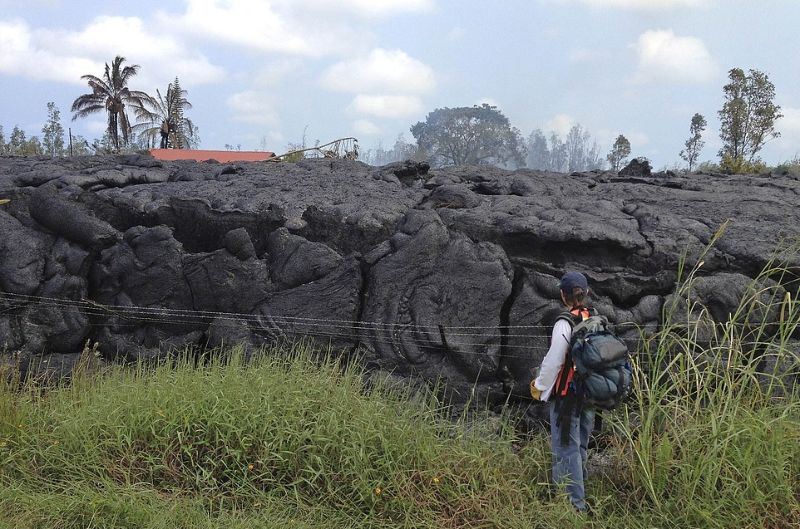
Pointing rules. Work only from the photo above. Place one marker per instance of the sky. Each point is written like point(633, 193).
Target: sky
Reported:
point(261, 74)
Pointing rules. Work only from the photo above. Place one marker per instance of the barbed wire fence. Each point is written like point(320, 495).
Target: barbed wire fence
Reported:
point(420, 334)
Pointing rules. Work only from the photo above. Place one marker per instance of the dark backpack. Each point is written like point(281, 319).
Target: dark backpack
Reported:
point(601, 362)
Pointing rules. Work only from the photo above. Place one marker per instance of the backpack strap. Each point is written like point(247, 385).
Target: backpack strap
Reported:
point(565, 407)
point(572, 402)
point(573, 317)
point(563, 375)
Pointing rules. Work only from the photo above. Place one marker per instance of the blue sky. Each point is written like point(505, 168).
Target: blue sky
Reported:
point(259, 72)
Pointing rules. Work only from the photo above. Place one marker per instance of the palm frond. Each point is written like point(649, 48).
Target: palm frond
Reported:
point(110, 93)
point(87, 111)
point(87, 100)
point(96, 84)
point(127, 73)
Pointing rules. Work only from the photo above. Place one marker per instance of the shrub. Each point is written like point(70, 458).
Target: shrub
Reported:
point(789, 168)
point(739, 165)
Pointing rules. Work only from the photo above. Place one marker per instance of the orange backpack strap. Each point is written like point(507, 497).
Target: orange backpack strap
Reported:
point(564, 378)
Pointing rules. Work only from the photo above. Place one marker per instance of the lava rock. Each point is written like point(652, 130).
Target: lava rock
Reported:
point(447, 275)
point(637, 167)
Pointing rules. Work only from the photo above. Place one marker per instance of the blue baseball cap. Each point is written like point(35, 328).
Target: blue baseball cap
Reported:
point(572, 280)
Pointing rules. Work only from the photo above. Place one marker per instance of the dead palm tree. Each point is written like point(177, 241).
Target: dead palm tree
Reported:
point(164, 116)
point(111, 94)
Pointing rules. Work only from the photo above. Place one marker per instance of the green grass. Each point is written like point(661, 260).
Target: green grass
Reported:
point(290, 440)
point(715, 439)
point(284, 438)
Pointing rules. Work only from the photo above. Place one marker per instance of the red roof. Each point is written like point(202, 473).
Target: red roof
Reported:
point(202, 156)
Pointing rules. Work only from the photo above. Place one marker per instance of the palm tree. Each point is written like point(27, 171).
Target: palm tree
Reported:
point(164, 116)
point(111, 94)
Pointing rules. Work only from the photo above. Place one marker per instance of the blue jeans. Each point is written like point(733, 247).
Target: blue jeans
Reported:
point(569, 462)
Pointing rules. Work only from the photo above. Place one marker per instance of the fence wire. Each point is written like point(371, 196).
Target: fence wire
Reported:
point(430, 336)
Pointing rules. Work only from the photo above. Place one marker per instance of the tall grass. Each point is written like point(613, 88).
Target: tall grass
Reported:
point(290, 440)
point(713, 437)
point(286, 435)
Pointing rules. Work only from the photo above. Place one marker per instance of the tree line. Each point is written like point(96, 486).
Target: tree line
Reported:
point(477, 135)
point(482, 135)
point(161, 117)
point(158, 120)
point(51, 143)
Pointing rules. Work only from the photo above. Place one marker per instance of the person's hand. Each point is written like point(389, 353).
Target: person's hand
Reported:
point(535, 393)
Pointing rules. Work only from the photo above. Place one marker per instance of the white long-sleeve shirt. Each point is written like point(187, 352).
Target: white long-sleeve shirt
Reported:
point(554, 359)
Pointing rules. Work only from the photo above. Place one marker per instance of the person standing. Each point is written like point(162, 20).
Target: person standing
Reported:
point(570, 425)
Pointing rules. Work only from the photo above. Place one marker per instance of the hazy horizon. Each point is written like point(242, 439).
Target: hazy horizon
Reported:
point(259, 72)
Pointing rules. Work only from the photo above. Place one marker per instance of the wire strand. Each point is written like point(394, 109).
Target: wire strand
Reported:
point(279, 326)
point(278, 318)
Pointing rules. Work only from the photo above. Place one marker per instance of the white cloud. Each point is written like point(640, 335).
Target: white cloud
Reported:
point(384, 71)
point(364, 127)
point(386, 106)
point(253, 107)
point(663, 56)
point(248, 23)
point(366, 8)
point(62, 55)
point(312, 28)
point(560, 124)
point(646, 5)
point(162, 56)
point(274, 72)
point(21, 55)
point(128, 34)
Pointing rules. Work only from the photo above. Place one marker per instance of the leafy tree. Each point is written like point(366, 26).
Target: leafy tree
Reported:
point(164, 117)
point(747, 118)
point(582, 153)
point(695, 142)
point(80, 146)
point(17, 141)
point(575, 148)
point(578, 153)
point(33, 147)
point(619, 152)
point(538, 152)
point(402, 150)
point(559, 157)
point(20, 145)
point(593, 159)
point(104, 145)
point(53, 132)
point(111, 94)
point(478, 135)
point(2, 141)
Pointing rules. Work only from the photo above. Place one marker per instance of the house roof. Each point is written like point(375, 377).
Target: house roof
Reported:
point(202, 156)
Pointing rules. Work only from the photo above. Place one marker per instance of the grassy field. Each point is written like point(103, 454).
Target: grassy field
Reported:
point(289, 441)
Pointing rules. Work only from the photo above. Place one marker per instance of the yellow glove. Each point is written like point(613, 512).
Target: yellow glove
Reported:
point(535, 393)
